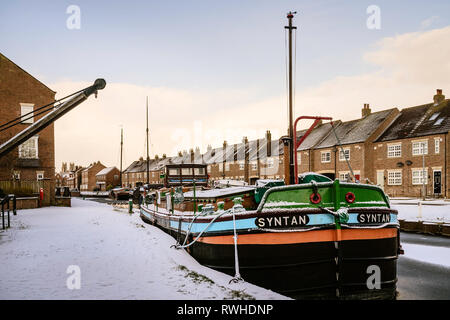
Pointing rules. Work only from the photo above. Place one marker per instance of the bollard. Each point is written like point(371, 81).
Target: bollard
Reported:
point(420, 211)
point(130, 205)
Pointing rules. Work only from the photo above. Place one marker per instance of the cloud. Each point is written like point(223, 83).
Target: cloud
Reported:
point(409, 67)
point(428, 22)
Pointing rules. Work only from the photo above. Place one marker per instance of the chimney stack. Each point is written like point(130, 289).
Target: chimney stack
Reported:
point(164, 156)
point(366, 110)
point(192, 155)
point(438, 97)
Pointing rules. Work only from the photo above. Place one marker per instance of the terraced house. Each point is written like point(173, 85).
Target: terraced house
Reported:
point(389, 148)
point(411, 157)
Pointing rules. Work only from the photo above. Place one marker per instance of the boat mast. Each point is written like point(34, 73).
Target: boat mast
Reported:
point(290, 16)
point(148, 157)
point(121, 154)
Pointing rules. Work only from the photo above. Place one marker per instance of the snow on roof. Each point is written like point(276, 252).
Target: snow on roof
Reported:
point(355, 131)
point(105, 171)
point(423, 120)
point(215, 193)
point(317, 135)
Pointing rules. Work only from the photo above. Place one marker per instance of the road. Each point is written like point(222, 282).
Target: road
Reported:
point(419, 280)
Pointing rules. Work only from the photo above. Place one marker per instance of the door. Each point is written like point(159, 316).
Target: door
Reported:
point(380, 179)
point(437, 182)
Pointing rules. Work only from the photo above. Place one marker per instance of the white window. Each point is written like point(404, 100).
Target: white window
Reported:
point(39, 175)
point(419, 148)
point(299, 158)
point(325, 156)
point(227, 167)
point(254, 166)
point(394, 178)
point(199, 171)
point(394, 150)
point(24, 109)
point(16, 175)
point(29, 149)
point(186, 171)
point(270, 163)
point(418, 176)
point(436, 145)
point(241, 166)
point(344, 176)
point(346, 153)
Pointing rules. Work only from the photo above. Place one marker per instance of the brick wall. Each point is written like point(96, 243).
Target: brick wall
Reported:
point(17, 86)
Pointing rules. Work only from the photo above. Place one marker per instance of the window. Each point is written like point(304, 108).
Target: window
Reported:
point(394, 178)
point(299, 158)
point(419, 148)
point(394, 150)
point(24, 109)
point(270, 162)
point(344, 176)
point(174, 171)
point(16, 175)
point(186, 171)
point(325, 156)
point(438, 121)
point(29, 149)
point(199, 171)
point(436, 145)
point(346, 153)
point(39, 175)
point(241, 166)
point(434, 116)
point(227, 167)
point(254, 166)
point(418, 176)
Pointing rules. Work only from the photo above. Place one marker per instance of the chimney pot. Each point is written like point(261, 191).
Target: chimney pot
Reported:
point(365, 110)
point(439, 97)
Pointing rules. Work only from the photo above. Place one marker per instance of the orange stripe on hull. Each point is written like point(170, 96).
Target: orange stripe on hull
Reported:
point(303, 237)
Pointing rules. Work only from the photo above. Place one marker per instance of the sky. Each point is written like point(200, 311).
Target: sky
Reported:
point(216, 70)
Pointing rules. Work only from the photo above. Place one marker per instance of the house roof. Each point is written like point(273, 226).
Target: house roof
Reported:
point(105, 171)
point(423, 120)
point(355, 131)
point(316, 136)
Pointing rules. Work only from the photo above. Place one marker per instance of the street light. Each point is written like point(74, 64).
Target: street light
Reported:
point(423, 169)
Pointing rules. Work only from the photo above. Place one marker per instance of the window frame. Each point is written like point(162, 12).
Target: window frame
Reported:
point(322, 153)
point(394, 153)
point(395, 180)
point(26, 108)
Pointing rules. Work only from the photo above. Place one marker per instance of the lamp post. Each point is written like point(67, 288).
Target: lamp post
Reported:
point(423, 170)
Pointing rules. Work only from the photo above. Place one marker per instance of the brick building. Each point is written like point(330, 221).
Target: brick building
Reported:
point(88, 176)
point(386, 148)
point(21, 93)
point(328, 155)
point(414, 151)
point(107, 178)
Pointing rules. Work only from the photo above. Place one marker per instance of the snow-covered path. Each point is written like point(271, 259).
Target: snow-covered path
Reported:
point(119, 257)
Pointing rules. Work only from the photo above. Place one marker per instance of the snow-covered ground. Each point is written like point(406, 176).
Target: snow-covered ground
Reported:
point(119, 257)
point(429, 211)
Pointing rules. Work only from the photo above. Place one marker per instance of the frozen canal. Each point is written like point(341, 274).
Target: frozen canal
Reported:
point(112, 256)
point(120, 257)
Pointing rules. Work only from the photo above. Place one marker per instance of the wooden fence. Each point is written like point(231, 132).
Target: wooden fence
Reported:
point(21, 188)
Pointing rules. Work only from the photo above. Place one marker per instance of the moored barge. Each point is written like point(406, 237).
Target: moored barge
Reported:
point(317, 240)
